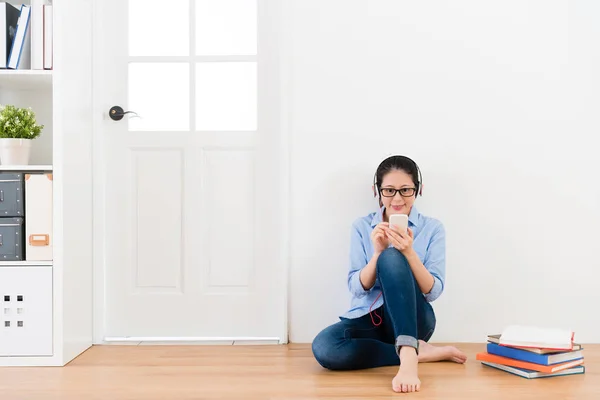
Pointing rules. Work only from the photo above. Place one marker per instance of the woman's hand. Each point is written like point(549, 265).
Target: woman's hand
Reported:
point(400, 240)
point(379, 238)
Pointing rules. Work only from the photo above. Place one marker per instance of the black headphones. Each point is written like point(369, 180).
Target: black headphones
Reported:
point(419, 188)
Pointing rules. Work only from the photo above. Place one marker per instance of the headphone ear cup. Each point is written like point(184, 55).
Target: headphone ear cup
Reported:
point(375, 185)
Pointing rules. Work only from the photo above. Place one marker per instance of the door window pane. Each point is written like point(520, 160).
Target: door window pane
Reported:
point(159, 93)
point(159, 28)
point(226, 27)
point(226, 96)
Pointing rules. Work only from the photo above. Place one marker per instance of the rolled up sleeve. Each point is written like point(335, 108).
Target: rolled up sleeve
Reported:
point(435, 262)
point(358, 260)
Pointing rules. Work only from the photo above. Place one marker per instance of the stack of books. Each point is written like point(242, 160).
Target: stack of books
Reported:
point(533, 352)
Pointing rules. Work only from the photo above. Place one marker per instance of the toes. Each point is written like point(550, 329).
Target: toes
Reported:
point(459, 358)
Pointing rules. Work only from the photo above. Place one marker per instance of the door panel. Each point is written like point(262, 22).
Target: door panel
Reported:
point(231, 243)
point(189, 204)
point(157, 177)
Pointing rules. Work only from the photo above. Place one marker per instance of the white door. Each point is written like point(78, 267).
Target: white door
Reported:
point(189, 215)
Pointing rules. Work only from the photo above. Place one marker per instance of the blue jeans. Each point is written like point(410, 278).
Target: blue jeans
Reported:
point(405, 317)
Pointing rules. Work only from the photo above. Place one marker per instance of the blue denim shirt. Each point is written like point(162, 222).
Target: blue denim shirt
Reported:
point(429, 242)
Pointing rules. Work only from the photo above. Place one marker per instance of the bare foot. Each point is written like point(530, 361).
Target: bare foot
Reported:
point(407, 379)
point(430, 353)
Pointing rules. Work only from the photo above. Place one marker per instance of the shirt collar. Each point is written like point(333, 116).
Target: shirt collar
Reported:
point(377, 218)
point(413, 217)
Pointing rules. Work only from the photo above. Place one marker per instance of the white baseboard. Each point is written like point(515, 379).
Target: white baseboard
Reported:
point(150, 340)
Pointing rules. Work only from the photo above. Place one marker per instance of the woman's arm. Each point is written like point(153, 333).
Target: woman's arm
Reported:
point(358, 262)
point(422, 275)
point(368, 274)
point(363, 273)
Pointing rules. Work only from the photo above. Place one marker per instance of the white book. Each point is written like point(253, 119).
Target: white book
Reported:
point(537, 337)
point(48, 35)
point(37, 34)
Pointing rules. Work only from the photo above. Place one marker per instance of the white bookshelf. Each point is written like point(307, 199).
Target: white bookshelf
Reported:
point(25, 167)
point(25, 263)
point(25, 79)
point(59, 327)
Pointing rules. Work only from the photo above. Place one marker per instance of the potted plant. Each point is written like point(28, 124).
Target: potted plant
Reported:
point(18, 128)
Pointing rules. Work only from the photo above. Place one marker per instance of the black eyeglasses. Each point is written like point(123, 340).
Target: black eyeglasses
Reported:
point(404, 192)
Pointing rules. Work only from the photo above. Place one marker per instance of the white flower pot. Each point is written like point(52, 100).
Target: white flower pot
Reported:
point(15, 151)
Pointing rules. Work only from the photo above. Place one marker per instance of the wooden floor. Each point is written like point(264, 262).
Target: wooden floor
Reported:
point(272, 373)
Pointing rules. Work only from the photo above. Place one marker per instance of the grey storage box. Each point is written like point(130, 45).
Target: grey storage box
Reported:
point(11, 239)
point(11, 195)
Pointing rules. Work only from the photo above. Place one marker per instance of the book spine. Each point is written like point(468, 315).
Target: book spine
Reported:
point(522, 355)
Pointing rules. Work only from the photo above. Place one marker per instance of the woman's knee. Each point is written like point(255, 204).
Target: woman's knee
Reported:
point(326, 348)
point(391, 260)
point(322, 348)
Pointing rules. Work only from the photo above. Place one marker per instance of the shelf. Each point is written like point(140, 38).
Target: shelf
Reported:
point(25, 167)
point(25, 79)
point(25, 263)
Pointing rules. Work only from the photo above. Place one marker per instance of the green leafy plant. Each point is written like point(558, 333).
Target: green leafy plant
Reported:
point(18, 123)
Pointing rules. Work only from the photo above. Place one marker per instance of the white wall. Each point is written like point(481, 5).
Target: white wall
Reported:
point(499, 104)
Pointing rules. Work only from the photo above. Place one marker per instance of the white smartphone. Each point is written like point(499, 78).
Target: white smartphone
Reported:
point(399, 222)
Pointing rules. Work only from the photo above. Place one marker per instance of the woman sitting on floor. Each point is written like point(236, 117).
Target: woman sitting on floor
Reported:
point(393, 278)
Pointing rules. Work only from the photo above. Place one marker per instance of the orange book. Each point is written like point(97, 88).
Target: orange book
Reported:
point(527, 365)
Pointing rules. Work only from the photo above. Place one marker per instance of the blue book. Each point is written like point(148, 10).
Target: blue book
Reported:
point(541, 359)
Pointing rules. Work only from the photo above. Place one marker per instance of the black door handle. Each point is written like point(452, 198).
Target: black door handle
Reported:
point(116, 113)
